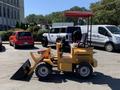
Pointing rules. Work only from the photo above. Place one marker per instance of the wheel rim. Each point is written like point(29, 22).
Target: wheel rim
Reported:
point(109, 47)
point(84, 71)
point(43, 71)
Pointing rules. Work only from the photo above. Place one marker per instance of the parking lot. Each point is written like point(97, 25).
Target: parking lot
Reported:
point(106, 75)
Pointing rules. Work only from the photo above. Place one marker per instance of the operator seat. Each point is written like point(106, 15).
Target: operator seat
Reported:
point(76, 36)
point(64, 57)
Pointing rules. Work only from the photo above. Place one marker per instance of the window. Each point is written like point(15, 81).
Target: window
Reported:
point(8, 12)
point(63, 30)
point(12, 15)
point(15, 14)
point(72, 29)
point(55, 30)
point(113, 29)
point(12, 2)
point(4, 12)
point(18, 16)
point(20, 34)
point(0, 11)
point(17, 3)
point(103, 31)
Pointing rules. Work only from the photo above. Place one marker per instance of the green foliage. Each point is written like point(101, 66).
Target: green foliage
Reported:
point(17, 25)
point(22, 26)
point(76, 8)
point(35, 19)
point(5, 35)
point(40, 33)
point(36, 32)
point(106, 12)
point(53, 17)
point(33, 28)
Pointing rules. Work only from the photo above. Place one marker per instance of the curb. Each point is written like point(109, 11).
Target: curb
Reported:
point(8, 42)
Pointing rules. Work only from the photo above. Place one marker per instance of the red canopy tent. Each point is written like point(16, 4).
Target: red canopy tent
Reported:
point(78, 14)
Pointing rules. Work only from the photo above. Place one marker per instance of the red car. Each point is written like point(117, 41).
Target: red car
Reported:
point(21, 38)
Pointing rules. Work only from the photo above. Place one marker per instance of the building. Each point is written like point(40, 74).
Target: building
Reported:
point(11, 12)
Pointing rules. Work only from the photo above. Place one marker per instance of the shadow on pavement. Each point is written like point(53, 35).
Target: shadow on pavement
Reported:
point(102, 49)
point(97, 79)
point(27, 48)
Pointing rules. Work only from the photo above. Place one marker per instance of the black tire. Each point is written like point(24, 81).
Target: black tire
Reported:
point(31, 46)
point(10, 43)
point(15, 46)
point(44, 42)
point(43, 71)
point(0, 48)
point(109, 47)
point(85, 70)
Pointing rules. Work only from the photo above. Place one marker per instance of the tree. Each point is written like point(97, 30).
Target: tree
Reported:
point(106, 12)
point(76, 8)
point(17, 25)
point(53, 17)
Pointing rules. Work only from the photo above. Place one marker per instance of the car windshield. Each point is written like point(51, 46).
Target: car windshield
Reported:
point(20, 34)
point(113, 29)
point(72, 29)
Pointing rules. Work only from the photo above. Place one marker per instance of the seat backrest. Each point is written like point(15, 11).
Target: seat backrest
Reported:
point(77, 36)
point(82, 43)
point(84, 37)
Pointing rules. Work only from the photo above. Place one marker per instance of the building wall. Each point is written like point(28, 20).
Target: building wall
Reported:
point(11, 12)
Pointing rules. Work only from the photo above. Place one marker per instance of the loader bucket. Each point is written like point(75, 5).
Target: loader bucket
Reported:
point(22, 73)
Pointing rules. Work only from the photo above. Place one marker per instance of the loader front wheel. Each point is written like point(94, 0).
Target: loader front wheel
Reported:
point(85, 70)
point(43, 71)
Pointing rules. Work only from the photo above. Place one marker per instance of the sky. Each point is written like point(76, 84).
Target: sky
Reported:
point(45, 7)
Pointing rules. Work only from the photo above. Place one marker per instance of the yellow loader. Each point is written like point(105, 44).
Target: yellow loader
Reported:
point(80, 60)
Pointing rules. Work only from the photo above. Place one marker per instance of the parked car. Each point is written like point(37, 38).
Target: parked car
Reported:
point(107, 36)
point(57, 33)
point(21, 38)
point(0, 43)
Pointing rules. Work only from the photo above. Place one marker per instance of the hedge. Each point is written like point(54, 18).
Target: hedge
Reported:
point(5, 35)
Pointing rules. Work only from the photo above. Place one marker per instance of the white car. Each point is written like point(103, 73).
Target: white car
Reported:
point(57, 33)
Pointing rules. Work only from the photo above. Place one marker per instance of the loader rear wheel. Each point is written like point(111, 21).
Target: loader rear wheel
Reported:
point(85, 70)
point(43, 71)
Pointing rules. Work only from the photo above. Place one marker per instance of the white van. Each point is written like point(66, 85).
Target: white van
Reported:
point(107, 36)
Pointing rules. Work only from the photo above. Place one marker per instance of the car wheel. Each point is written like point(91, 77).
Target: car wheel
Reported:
point(31, 46)
point(10, 43)
point(43, 71)
point(109, 47)
point(85, 70)
point(44, 42)
point(15, 46)
point(0, 48)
